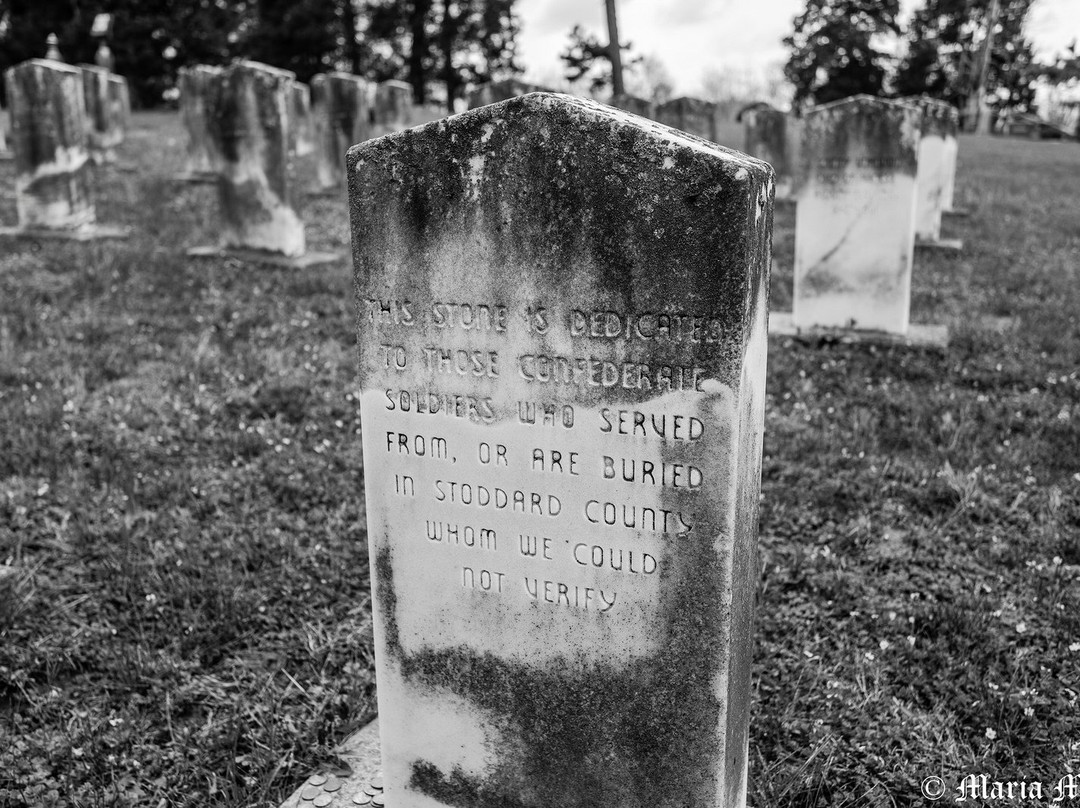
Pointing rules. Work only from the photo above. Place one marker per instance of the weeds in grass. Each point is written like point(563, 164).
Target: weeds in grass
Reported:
point(184, 605)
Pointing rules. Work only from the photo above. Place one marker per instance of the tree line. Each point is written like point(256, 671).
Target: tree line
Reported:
point(441, 47)
point(839, 48)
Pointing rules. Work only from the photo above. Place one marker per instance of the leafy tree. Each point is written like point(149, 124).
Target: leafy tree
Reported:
point(461, 43)
point(297, 35)
point(944, 43)
point(586, 57)
point(836, 48)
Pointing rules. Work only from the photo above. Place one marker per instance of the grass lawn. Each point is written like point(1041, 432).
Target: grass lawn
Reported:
point(184, 605)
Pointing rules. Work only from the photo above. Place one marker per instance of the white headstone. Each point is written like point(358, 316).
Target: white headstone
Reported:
point(855, 216)
point(937, 164)
point(562, 331)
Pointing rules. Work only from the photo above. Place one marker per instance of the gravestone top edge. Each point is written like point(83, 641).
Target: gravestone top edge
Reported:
point(587, 111)
point(862, 99)
point(51, 64)
point(251, 64)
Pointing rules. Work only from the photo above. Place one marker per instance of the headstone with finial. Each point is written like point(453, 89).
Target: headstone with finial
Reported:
point(52, 46)
point(562, 330)
point(49, 138)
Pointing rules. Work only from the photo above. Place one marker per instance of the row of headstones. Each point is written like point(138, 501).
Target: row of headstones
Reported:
point(62, 119)
point(871, 178)
point(246, 121)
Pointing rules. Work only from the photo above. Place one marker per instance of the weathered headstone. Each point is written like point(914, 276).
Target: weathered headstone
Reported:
point(938, 118)
point(391, 112)
point(502, 90)
point(773, 136)
point(5, 153)
point(342, 107)
point(855, 220)
point(690, 115)
point(632, 103)
point(199, 86)
point(49, 138)
point(120, 103)
point(104, 116)
point(303, 126)
point(248, 124)
point(562, 330)
point(950, 130)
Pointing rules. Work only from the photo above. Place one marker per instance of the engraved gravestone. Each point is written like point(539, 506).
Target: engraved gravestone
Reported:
point(935, 169)
point(198, 86)
point(392, 102)
point(855, 217)
point(562, 328)
point(342, 104)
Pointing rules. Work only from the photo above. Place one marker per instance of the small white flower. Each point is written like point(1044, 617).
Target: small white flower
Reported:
point(1021, 628)
point(990, 733)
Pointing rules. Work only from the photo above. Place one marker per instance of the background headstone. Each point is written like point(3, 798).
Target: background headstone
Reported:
point(199, 85)
point(950, 131)
point(393, 100)
point(632, 103)
point(773, 136)
point(935, 166)
point(104, 115)
point(49, 139)
point(342, 108)
point(303, 126)
point(248, 122)
point(690, 115)
point(562, 330)
point(855, 220)
point(120, 102)
point(501, 90)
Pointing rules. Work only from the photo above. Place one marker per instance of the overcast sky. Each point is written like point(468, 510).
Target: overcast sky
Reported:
point(690, 36)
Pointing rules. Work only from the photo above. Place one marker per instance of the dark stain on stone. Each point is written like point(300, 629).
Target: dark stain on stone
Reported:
point(626, 224)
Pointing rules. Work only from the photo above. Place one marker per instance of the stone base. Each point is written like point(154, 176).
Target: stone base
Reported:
point(6, 155)
point(944, 244)
point(87, 232)
point(360, 761)
point(918, 335)
point(200, 179)
point(305, 261)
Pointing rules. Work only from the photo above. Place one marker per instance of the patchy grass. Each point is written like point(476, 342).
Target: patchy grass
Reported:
point(184, 605)
point(920, 604)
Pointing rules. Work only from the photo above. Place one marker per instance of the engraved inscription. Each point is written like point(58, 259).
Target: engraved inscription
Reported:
point(620, 535)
